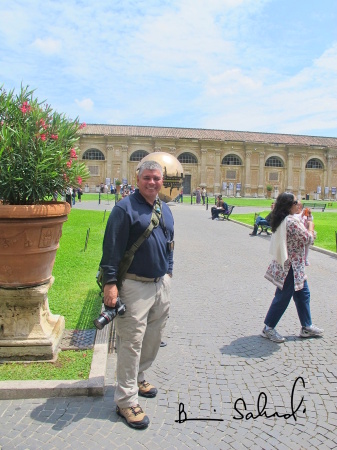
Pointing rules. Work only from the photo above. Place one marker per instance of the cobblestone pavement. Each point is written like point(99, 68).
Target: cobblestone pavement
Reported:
point(214, 358)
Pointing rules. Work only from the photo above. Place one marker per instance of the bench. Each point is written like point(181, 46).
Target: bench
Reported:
point(263, 228)
point(314, 205)
point(225, 214)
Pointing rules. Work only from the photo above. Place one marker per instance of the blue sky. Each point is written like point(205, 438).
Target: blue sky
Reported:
point(247, 65)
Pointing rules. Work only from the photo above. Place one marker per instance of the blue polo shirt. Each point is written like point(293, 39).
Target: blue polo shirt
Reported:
point(127, 222)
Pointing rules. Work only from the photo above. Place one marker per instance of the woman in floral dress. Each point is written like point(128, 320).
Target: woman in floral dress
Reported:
point(287, 270)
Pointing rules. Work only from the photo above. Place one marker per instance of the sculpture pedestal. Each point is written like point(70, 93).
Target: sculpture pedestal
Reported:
point(28, 330)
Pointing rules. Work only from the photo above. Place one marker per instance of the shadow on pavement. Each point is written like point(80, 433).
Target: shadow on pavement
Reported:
point(63, 412)
point(251, 347)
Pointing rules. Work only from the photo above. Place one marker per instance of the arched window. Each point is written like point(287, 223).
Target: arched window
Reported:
point(187, 158)
point(93, 154)
point(138, 155)
point(274, 161)
point(232, 160)
point(314, 163)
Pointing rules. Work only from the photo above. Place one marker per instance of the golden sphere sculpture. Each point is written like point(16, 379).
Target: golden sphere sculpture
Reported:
point(173, 174)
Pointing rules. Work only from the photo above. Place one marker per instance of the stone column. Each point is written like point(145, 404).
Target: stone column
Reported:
point(260, 188)
point(124, 161)
point(290, 180)
point(203, 182)
point(302, 176)
point(247, 184)
point(109, 158)
point(329, 162)
point(217, 181)
point(28, 331)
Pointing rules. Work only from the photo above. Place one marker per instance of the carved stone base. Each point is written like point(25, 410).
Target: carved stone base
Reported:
point(28, 330)
point(247, 191)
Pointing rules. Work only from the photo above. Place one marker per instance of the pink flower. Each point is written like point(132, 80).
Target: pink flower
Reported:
point(69, 163)
point(54, 137)
point(79, 180)
point(43, 137)
point(73, 153)
point(25, 108)
point(83, 125)
point(43, 124)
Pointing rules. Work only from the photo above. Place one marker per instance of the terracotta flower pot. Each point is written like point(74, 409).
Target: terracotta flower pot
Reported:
point(29, 239)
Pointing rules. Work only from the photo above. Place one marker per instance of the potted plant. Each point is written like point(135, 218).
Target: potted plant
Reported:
point(269, 190)
point(38, 161)
point(118, 186)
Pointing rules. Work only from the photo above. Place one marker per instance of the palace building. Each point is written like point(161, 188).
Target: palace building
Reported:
point(234, 163)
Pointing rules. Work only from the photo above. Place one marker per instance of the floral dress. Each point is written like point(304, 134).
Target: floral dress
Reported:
point(297, 238)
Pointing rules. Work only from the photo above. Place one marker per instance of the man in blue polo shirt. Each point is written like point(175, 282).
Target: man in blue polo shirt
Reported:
point(145, 290)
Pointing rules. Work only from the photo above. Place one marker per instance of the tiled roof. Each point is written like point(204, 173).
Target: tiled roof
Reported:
point(209, 135)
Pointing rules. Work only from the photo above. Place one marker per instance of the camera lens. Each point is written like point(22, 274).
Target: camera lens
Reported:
point(101, 322)
point(106, 316)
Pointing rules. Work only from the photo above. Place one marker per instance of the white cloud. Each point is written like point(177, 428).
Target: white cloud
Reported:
point(232, 81)
point(265, 102)
point(86, 104)
point(328, 61)
point(48, 46)
point(182, 43)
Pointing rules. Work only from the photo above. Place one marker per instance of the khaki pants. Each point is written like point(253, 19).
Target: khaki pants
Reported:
point(139, 333)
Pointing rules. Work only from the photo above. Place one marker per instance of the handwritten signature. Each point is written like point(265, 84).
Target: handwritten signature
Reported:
point(262, 404)
point(261, 408)
point(183, 416)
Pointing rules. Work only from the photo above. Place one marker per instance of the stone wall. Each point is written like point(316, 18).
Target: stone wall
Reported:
point(208, 169)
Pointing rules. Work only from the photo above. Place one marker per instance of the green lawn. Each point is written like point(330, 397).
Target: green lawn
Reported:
point(325, 226)
point(75, 294)
point(265, 202)
point(70, 365)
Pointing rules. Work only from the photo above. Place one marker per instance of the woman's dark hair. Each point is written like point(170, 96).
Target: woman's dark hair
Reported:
point(282, 207)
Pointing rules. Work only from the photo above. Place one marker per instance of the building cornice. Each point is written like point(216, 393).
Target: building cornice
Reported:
point(201, 134)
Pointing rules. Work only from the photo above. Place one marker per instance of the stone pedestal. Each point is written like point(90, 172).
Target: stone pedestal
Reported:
point(28, 330)
point(260, 191)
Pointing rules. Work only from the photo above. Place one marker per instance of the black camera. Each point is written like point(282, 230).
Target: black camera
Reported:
point(109, 313)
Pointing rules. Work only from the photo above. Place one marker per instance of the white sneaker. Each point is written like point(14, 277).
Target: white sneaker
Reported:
point(272, 335)
point(311, 331)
